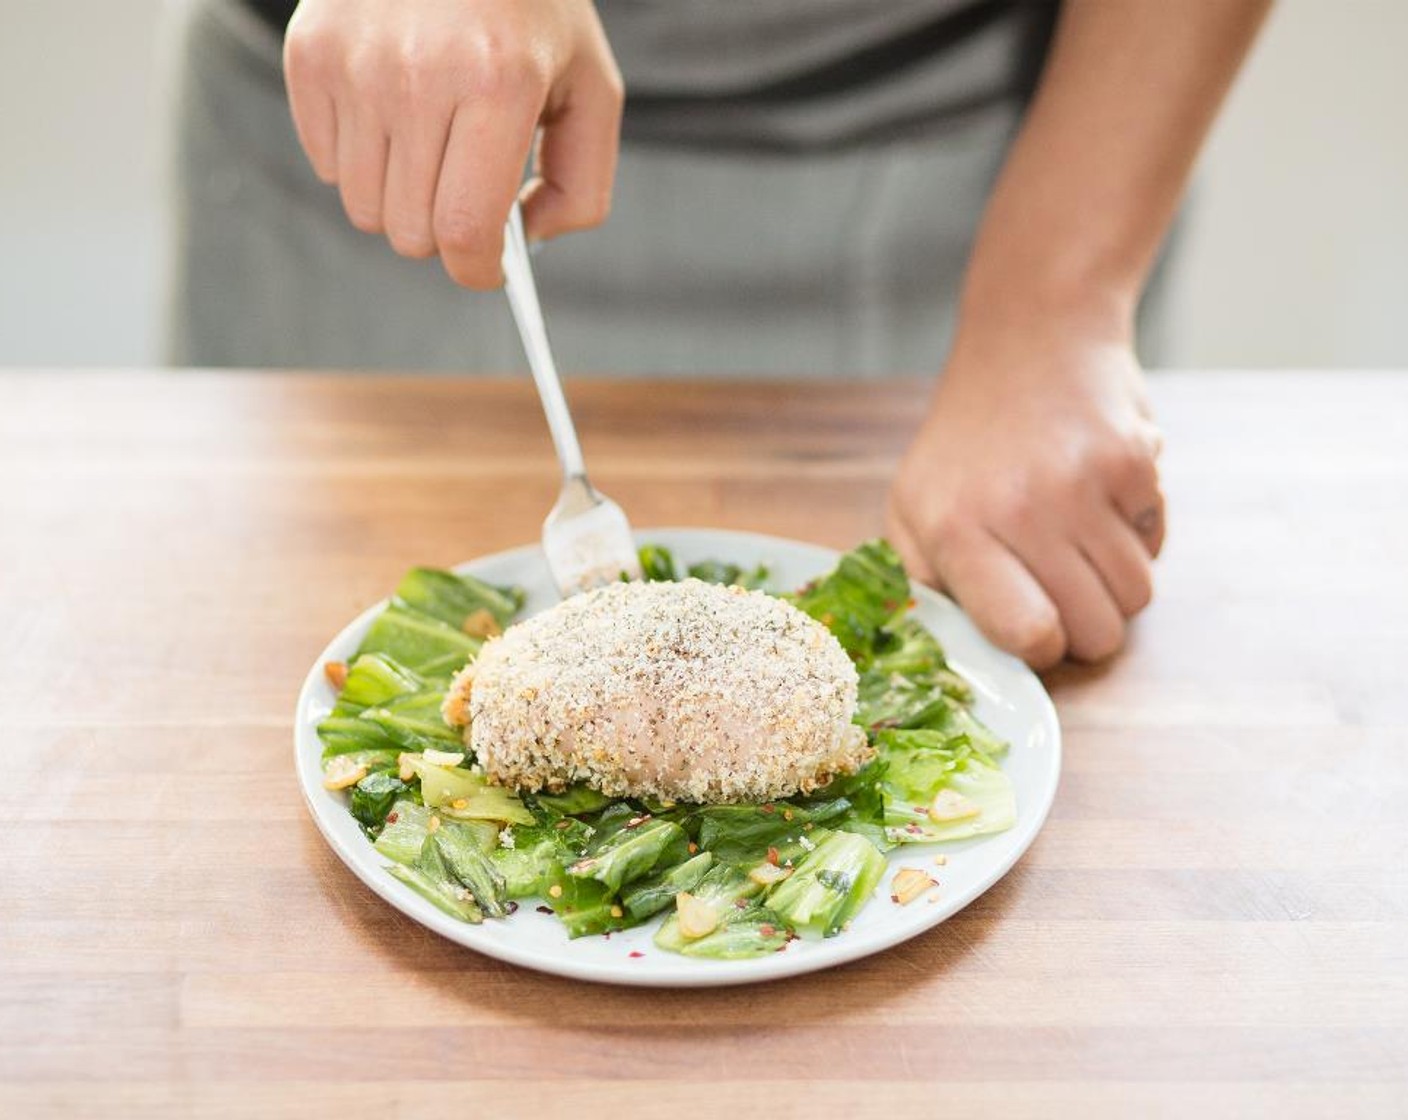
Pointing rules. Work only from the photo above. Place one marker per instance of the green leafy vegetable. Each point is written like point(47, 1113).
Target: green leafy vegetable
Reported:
point(865, 590)
point(742, 934)
point(715, 571)
point(532, 851)
point(419, 641)
point(922, 765)
point(373, 797)
point(574, 800)
point(584, 906)
point(463, 794)
point(404, 832)
point(375, 678)
point(452, 598)
point(829, 886)
point(721, 889)
point(472, 869)
point(631, 853)
point(740, 833)
point(650, 895)
point(352, 735)
point(657, 563)
point(414, 722)
point(431, 878)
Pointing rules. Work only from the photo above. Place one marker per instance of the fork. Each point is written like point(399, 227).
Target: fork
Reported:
point(586, 537)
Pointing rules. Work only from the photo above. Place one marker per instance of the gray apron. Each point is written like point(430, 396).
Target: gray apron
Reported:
point(728, 261)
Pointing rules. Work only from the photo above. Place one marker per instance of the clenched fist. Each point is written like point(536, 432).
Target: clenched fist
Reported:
point(424, 113)
point(1032, 491)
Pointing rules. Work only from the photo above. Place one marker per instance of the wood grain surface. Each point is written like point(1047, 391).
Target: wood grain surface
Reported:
point(1213, 922)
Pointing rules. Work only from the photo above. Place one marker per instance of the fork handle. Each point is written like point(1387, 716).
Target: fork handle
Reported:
point(533, 332)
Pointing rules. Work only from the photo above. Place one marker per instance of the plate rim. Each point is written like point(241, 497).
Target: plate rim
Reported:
point(691, 973)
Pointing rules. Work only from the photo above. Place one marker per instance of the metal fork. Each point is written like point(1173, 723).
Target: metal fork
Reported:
point(586, 537)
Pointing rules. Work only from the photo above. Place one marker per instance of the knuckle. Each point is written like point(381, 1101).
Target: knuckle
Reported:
point(417, 74)
point(500, 69)
point(945, 527)
point(308, 50)
point(1098, 643)
point(588, 209)
point(1125, 462)
point(480, 272)
point(1141, 593)
point(362, 217)
point(615, 88)
point(463, 234)
point(409, 241)
point(1013, 506)
point(1035, 637)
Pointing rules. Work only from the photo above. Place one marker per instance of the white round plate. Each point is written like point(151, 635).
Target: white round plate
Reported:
point(1010, 700)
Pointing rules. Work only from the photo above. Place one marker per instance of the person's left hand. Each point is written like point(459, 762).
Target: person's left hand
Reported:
point(1031, 492)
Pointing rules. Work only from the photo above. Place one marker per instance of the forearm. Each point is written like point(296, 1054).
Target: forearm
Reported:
point(1095, 176)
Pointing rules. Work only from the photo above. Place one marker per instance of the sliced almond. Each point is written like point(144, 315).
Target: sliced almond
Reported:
point(697, 918)
point(908, 884)
point(443, 758)
point(406, 765)
point(343, 771)
point(950, 805)
point(482, 624)
point(336, 673)
point(769, 873)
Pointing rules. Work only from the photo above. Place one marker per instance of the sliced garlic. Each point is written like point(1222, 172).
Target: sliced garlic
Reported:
point(950, 805)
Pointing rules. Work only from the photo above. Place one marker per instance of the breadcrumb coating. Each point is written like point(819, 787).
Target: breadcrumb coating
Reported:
point(683, 691)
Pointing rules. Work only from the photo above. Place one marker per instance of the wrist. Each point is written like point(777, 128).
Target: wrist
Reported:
point(1024, 294)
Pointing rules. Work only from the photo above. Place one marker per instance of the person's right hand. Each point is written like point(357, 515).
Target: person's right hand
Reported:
point(423, 112)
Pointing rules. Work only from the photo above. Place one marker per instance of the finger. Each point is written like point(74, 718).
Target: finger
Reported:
point(361, 167)
point(1090, 618)
point(1133, 476)
point(315, 121)
point(909, 549)
point(416, 153)
point(484, 159)
point(1145, 514)
point(575, 165)
point(1003, 598)
point(314, 115)
point(1119, 555)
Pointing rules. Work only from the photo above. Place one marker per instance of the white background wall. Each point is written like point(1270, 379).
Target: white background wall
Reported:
point(1297, 254)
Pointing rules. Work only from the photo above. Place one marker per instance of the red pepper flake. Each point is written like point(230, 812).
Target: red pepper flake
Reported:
point(913, 602)
point(546, 910)
point(767, 809)
point(693, 847)
point(635, 953)
point(392, 817)
point(773, 856)
point(891, 605)
point(767, 929)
